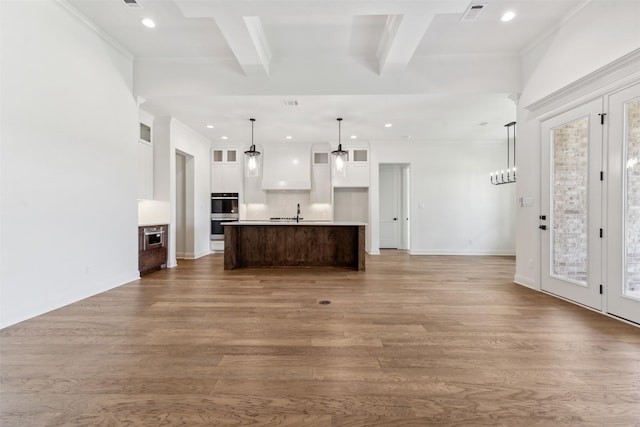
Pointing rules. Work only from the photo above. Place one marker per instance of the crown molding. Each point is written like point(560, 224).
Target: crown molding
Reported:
point(623, 70)
point(93, 27)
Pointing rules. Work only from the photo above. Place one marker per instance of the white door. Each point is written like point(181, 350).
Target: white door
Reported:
point(623, 194)
point(389, 207)
point(571, 205)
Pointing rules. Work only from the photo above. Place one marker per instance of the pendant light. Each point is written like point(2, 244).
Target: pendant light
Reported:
point(252, 156)
point(499, 178)
point(341, 156)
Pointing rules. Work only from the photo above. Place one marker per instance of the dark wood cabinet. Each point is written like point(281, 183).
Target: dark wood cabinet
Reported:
point(151, 254)
point(294, 245)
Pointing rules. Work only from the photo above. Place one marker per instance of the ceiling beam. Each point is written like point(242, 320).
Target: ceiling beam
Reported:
point(247, 41)
point(400, 38)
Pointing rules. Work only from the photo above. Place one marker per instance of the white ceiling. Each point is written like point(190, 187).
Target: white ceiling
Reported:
point(372, 62)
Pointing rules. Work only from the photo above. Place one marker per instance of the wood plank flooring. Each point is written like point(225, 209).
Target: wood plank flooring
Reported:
point(412, 341)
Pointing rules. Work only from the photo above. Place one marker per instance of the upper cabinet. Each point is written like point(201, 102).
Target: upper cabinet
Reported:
point(356, 172)
point(145, 156)
point(320, 174)
point(225, 170)
point(224, 155)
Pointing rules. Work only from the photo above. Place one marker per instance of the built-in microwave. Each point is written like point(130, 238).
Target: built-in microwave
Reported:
point(217, 229)
point(154, 237)
point(224, 203)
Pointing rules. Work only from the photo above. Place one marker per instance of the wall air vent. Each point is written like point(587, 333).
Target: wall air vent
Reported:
point(473, 11)
point(131, 3)
point(290, 103)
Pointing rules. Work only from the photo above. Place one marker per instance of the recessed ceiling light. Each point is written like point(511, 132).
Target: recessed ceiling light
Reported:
point(288, 137)
point(508, 16)
point(224, 137)
point(148, 22)
point(209, 126)
point(354, 137)
point(388, 125)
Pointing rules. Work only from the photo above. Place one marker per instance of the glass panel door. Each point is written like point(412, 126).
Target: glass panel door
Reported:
point(571, 208)
point(631, 286)
point(570, 201)
point(623, 246)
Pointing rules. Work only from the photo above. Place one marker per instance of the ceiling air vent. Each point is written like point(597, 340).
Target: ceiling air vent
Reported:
point(473, 11)
point(131, 3)
point(290, 103)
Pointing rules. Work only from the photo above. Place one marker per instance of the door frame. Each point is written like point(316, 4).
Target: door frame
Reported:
point(404, 208)
point(620, 306)
point(591, 294)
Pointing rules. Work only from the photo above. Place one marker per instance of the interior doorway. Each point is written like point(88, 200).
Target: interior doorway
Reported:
point(184, 205)
point(181, 221)
point(394, 206)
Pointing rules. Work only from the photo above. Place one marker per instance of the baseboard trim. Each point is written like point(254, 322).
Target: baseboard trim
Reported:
point(13, 319)
point(461, 252)
point(525, 281)
point(201, 254)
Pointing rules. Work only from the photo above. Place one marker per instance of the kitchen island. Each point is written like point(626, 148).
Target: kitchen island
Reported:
point(277, 244)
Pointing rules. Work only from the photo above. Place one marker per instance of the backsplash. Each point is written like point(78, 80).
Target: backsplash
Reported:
point(282, 204)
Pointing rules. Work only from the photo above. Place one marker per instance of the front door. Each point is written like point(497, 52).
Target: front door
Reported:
point(571, 205)
point(623, 191)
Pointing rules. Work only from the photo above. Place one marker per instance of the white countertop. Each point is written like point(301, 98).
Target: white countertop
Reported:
point(327, 223)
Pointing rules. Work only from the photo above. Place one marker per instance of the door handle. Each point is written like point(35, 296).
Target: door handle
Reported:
point(395, 219)
point(542, 227)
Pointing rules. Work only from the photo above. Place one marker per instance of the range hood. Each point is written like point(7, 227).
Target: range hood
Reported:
point(286, 166)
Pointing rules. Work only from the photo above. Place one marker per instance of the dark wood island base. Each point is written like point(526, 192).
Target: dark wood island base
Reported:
point(293, 244)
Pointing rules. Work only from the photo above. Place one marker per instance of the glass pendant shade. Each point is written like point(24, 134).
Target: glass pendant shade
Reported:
point(340, 156)
point(252, 157)
point(252, 165)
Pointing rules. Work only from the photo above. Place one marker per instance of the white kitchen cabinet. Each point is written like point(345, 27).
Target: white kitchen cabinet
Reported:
point(224, 155)
point(225, 170)
point(320, 177)
point(145, 156)
point(145, 170)
point(356, 169)
point(225, 178)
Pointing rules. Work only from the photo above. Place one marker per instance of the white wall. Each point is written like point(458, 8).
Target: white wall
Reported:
point(69, 138)
point(595, 36)
point(171, 137)
point(454, 208)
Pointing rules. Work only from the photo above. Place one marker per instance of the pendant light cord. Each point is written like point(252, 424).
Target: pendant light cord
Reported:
point(253, 146)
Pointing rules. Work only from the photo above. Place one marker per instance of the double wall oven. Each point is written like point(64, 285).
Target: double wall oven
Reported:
point(224, 208)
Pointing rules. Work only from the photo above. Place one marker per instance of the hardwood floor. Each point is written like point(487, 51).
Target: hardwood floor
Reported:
point(412, 341)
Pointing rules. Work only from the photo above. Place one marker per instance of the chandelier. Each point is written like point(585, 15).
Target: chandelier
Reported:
point(499, 177)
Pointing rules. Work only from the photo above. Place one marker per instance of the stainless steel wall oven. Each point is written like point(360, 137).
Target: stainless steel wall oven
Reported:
point(224, 208)
point(224, 203)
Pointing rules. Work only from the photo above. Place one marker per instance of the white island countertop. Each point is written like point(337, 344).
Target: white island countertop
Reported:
point(303, 222)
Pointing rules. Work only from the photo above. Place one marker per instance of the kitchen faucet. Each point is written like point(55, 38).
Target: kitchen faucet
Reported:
point(298, 214)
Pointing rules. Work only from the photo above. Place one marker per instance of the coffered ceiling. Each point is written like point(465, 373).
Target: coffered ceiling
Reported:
point(414, 64)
